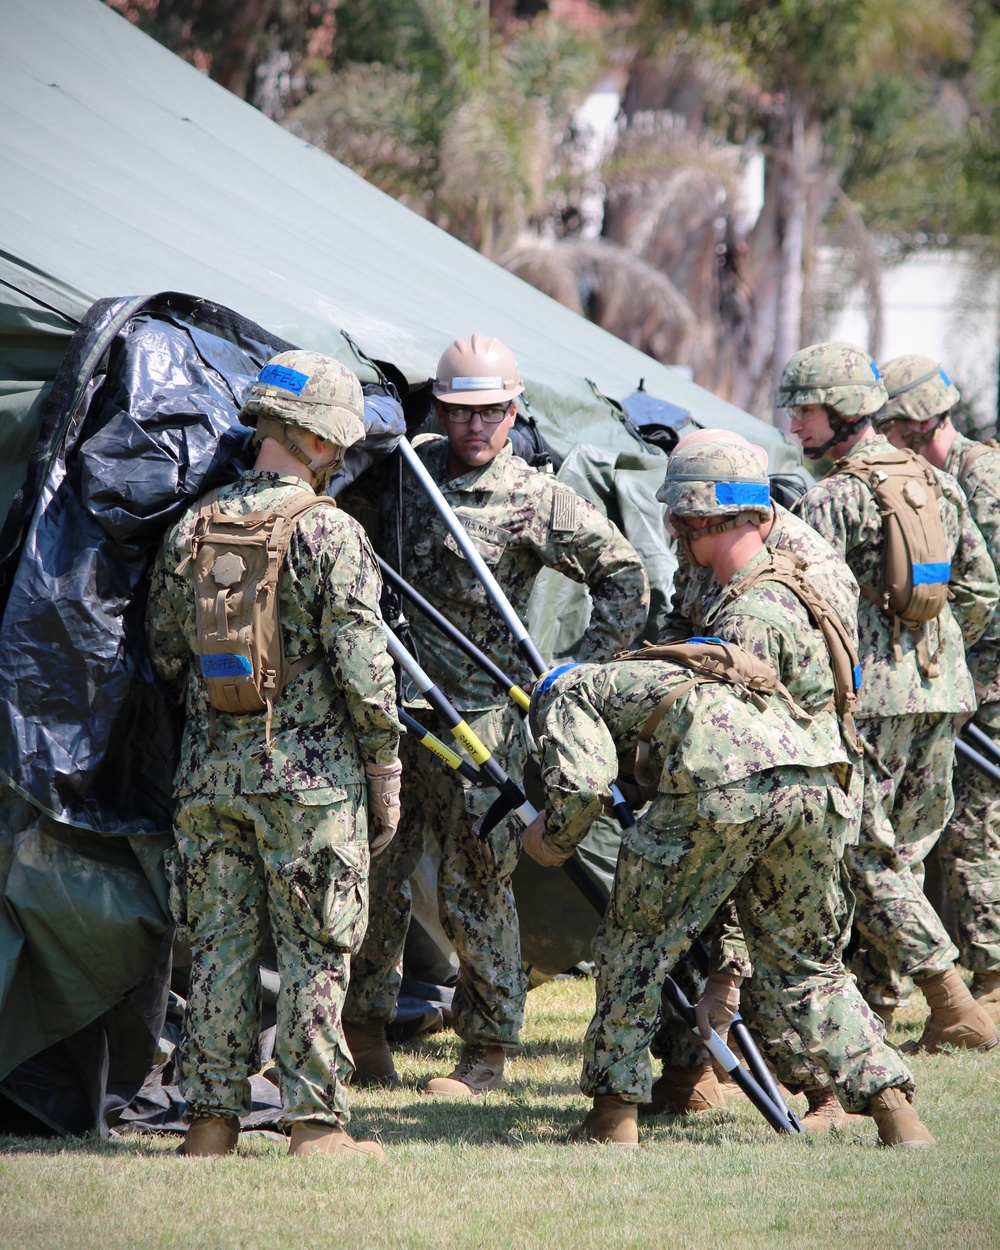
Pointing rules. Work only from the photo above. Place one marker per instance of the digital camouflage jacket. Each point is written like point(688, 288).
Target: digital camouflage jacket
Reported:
point(845, 512)
point(335, 716)
point(981, 483)
point(709, 739)
point(520, 521)
point(696, 589)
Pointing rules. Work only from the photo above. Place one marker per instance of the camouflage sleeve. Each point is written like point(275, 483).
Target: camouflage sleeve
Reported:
point(354, 638)
point(168, 648)
point(761, 638)
point(984, 507)
point(583, 544)
point(579, 767)
point(837, 509)
point(973, 575)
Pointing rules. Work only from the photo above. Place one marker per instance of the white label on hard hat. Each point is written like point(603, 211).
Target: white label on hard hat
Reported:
point(476, 384)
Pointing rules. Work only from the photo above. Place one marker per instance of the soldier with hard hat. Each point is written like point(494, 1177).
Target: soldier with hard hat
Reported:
point(915, 681)
point(272, 825)
point(520, 521)
point(919, 416)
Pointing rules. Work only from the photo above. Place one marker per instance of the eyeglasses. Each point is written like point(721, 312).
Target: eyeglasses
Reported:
point(491, 415)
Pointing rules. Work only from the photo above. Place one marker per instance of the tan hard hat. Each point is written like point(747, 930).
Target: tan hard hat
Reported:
point(477, 370)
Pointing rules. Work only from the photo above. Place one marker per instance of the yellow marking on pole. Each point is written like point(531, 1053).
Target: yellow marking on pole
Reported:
point(472, 744)
point(441, 750)
point(519, 697)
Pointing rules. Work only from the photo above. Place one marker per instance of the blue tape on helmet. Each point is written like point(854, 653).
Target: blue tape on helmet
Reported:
point(226, 666)
point(285, 379)
point(743, 494)
point(856, 673)
point(944, 377)
point(931, 574)
point(878, 376)
point(549, 678)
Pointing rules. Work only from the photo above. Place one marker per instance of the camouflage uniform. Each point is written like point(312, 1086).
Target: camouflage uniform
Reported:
point(907, 720)
point(696, 588)
point(277, 838)
point(969, 850)
point(520, 521)
point(748, 805)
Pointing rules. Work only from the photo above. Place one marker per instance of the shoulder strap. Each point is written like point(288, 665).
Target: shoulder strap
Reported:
point(710, 660)
point(789, 570)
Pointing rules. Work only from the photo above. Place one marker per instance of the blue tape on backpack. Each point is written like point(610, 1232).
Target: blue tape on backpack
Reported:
point(226, 666)
point(285, 379)
point(931, 574)
point(856, 673)
point(743, 494)
point(721, 641)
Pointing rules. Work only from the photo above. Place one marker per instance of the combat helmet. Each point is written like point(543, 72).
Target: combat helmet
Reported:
point(306, 391)
point(919, 390)
point(841, 377)
point(477, 370)
point(715, 479)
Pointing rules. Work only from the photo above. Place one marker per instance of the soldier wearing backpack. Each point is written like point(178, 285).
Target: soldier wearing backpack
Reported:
point(745, 803)
point(718, 503)
point(921, 397)
point(264, 617)
point(928, 590)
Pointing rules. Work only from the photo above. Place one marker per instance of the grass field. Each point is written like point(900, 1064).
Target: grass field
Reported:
point(495, 1173)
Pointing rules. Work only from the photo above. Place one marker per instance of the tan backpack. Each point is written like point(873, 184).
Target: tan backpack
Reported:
point(916, 565)
point(791, 571)
point(710, 660)
point(237, 570)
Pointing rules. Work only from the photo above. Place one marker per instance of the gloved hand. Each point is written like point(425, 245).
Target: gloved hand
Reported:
point(533, 841)
point(719, 1003)
point(383, 804)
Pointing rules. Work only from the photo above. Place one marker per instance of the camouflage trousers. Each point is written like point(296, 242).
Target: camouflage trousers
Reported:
point(775, 849)
point(969, 854)
point(239, 865)
point(907, 804)
point(475, 899)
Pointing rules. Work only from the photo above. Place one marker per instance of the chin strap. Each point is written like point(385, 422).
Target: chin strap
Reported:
point(322, 470)
point(841, 429)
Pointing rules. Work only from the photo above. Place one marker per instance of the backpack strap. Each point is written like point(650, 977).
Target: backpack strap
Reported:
point(789, 570)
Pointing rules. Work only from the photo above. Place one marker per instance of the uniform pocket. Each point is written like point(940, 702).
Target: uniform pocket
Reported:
point(730, 806)
point(638, 894)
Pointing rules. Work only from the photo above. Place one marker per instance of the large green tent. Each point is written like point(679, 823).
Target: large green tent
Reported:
point(125, 172)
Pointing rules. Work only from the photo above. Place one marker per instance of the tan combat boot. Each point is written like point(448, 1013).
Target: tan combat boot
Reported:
point(679, 1090)
point(311, 1137)
point(479, 1069)
point(956, 1018)
point(986, 991)
point(826, 1113)
point(611, 1119)
point(897, 1122)
point(372, 1057)
point(211, 1135)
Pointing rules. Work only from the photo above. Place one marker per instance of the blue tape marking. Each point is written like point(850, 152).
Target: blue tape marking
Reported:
point(549, 678)
point(709, 638)
point(878, 376)
point(743, 494)
point(286, 379)
point(931, 574)
point(226, 666)
point(856, 671)
point(944, 377)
